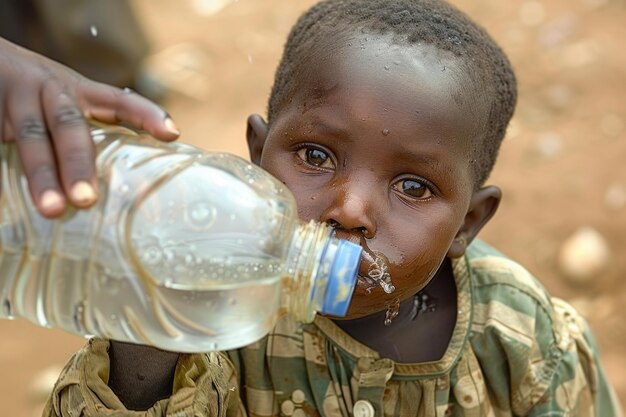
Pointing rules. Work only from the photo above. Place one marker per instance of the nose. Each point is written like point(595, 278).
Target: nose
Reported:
point(351, 210)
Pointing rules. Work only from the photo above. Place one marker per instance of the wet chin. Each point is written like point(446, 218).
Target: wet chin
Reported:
point(359, 309)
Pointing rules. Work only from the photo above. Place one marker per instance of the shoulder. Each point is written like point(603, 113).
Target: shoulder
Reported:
point(492, 273)
point(536, 350)
point(507, 298)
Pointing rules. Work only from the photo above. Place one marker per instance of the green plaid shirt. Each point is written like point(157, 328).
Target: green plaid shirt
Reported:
point(514, 352)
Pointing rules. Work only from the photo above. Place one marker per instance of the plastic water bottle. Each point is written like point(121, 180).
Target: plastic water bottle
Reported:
point(185, 250)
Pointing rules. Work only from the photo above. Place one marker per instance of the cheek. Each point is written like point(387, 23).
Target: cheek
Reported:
point(312, 202)
point(308, 191)
point(416, 248)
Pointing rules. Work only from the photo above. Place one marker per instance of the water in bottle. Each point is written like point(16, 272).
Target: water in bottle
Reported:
point(185, 250)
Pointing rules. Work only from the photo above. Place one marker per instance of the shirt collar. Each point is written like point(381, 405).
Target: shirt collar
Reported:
point(462, 277)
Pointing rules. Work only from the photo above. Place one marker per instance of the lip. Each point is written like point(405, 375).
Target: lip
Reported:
point(364, 283)
point(366, 255)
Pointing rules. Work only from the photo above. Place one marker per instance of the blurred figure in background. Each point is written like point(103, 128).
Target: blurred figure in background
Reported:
point(100, 39)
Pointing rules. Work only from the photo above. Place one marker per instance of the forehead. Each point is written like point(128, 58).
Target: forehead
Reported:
point(400, 83)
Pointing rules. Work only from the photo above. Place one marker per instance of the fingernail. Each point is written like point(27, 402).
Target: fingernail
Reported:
point(51, 200)
point(82, 193)
point(171, 126)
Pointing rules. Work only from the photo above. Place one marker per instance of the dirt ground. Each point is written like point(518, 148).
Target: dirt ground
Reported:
point(561, 168)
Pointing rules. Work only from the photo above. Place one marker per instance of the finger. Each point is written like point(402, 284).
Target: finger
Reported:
point(114, 105)
point(73, 145)
point(35, 152)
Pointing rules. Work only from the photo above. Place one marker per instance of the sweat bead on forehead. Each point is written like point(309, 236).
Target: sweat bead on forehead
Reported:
point(427, 31)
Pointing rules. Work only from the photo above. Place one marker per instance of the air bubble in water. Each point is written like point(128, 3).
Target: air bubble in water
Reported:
point(94, 30)
point(110, 284)
point(201, 214)
point(152, 256)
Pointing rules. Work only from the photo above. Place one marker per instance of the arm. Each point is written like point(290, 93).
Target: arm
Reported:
point(201, 384)
point(43, 109)
point(141, 375)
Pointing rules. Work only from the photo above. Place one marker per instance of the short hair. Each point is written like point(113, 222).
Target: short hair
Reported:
point(432, 22)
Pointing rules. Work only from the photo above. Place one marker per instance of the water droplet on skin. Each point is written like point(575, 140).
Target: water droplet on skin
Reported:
point(128, 90)
point(385, 132)
point(94, 30)
point(392, 311)
point(374, 271)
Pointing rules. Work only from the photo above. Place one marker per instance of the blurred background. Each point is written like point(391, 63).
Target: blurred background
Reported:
point(211, 62)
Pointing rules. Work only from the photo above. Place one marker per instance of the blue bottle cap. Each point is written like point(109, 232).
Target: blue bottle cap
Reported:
point(342, 279)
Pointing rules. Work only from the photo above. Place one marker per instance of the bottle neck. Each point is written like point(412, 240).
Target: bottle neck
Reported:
point(308, 267)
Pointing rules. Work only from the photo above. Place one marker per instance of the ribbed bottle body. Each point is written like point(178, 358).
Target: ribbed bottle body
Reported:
point(185, 250)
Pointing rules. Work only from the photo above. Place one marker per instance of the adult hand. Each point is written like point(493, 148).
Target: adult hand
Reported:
point(43, 108)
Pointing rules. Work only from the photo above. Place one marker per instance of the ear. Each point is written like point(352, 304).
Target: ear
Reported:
point(256, 133)
point(483, 206)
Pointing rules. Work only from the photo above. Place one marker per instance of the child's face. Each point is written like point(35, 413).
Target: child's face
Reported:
point(377, 141)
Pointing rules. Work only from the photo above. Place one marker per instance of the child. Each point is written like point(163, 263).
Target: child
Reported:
point(384, 121)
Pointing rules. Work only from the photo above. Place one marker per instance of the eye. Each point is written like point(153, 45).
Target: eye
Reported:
point(413, 188)
point(315, 157)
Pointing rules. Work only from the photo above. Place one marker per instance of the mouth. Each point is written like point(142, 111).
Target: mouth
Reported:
point(374, 268)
